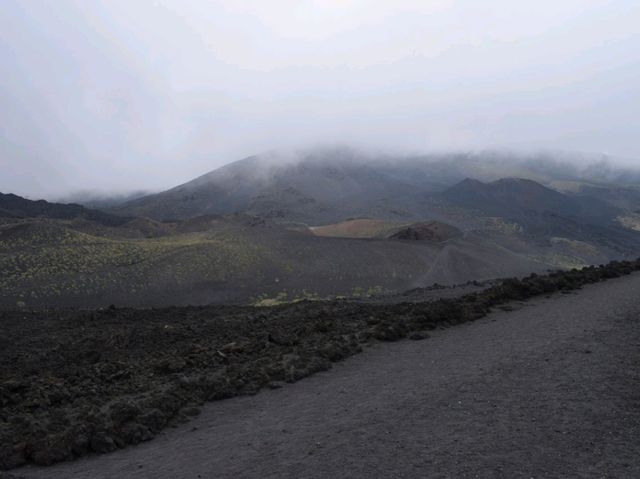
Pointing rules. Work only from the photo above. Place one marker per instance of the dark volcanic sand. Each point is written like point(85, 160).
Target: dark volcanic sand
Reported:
point(549, 390)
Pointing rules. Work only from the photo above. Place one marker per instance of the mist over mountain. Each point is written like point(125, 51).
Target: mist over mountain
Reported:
point(328, 185)
point(100, 200)
point(144, 95)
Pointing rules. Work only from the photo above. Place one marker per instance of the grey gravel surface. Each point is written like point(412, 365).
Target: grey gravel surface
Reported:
point(549, 389)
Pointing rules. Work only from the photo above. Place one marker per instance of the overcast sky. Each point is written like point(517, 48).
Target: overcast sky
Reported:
point(138, 94)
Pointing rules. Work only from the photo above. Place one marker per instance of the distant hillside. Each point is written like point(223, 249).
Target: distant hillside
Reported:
point(312, 191)
point(13, 206)
point(514, 197)
point(241, 258)
point(43, 263)
point(270, 229)
point(101, 200)
point(328, 186)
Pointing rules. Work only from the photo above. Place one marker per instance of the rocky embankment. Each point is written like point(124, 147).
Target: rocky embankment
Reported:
point(76, 382)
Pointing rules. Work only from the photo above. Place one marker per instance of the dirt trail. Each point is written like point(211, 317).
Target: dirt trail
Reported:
point(549, 390)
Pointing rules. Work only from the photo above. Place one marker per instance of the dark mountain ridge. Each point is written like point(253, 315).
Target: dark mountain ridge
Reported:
point(328, 186)
point(17, 207)
point(515, 197)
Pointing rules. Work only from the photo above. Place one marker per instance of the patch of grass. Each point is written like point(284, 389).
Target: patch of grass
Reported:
point(53, 262)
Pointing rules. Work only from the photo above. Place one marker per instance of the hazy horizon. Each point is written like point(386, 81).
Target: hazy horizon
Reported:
point(126, 96)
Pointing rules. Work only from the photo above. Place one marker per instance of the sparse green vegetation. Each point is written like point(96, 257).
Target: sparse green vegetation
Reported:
point(53, 262)
point(47, 263)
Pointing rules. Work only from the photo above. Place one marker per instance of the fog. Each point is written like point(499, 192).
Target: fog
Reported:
point(122, 95)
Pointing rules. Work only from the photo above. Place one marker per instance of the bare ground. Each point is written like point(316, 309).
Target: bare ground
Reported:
point(549, 390)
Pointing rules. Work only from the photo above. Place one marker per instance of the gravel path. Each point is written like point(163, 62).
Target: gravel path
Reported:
point(549, 390)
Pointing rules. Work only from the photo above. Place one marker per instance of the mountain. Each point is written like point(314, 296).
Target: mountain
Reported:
point(542, 214)
point(328, 186)
point(17, 207)
point(269, 229)
point(623, 198)
point(97, 200)
point(318, 189)
point(517, 197)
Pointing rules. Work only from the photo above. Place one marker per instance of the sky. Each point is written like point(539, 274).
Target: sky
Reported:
point(119, 95)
